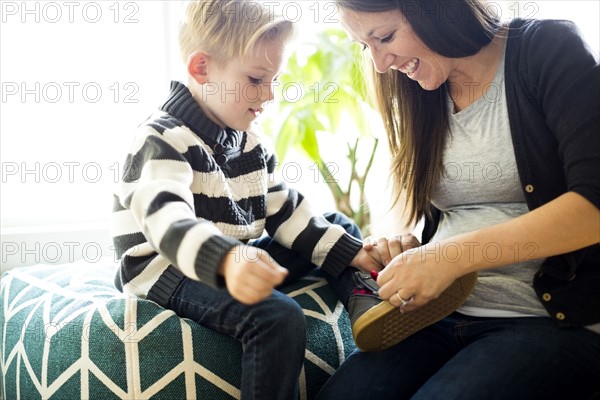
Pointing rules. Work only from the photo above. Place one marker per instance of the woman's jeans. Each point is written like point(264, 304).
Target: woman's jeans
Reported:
point(272, 332)
point(470, 358)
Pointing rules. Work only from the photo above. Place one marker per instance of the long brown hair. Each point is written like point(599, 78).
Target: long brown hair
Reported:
point(416, 120)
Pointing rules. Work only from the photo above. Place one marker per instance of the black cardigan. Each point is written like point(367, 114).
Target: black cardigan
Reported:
point(552, 83)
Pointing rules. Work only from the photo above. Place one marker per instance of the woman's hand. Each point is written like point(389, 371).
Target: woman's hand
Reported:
point(251, 274)
point(385, 249)
point(421, 274)
point(415, 277)
point(377, 253)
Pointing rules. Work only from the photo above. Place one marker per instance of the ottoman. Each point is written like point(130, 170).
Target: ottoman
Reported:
point(67, 333)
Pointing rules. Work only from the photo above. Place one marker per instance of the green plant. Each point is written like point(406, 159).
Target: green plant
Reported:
point(334, 101)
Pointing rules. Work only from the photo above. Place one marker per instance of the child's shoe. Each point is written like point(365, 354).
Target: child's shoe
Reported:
point(364, 297)
point(377, 324)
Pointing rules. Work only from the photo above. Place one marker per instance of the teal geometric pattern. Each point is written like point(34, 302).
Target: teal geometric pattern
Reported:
point(67, 333)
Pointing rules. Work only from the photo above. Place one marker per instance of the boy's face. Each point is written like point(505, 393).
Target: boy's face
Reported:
point(238, 91)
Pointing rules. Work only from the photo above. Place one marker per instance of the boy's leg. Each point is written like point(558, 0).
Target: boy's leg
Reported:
point(299, 267)
point(272, 333)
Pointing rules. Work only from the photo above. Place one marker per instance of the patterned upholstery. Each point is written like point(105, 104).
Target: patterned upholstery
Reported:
point(67, 333)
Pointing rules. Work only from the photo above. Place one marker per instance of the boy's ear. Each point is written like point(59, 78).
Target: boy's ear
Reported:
point(197, 66)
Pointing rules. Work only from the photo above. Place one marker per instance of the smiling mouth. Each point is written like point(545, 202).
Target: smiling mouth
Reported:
point(410, 67)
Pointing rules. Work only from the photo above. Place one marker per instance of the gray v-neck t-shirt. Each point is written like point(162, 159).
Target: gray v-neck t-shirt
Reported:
point(481, 187)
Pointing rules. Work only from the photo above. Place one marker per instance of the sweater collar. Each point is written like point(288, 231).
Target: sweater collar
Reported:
point(182, 105)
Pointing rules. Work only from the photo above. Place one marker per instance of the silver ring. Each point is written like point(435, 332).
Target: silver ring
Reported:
point(402, 301)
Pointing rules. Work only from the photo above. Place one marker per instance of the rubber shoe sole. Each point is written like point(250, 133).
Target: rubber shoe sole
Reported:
point(384, 325)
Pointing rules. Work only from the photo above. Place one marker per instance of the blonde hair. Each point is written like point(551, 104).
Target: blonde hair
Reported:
point(227, 29)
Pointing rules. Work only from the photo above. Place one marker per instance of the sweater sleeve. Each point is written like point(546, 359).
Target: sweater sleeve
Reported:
point(156, 189)
point(293, 222)
point(566, 82)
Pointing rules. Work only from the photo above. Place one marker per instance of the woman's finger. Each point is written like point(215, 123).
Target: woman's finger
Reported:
point(384, 251)
point(395, 245)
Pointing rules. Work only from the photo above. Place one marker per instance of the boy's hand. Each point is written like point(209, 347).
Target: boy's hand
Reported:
point(251, 274)
point(366, 262)
point(386, 248)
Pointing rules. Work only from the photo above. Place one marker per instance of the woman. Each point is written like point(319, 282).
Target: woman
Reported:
point(494, 130)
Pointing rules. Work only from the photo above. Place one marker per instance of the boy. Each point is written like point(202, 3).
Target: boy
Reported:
point(200, 189)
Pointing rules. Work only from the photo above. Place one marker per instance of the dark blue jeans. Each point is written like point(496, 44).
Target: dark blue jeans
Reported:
point(272, 332)
point(471, 358)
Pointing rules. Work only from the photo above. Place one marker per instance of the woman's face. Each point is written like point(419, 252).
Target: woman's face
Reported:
point(393, 44)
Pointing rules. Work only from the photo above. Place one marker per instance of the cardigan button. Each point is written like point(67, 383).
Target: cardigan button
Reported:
point(529, 188)
point(546, 297)
point(218, 148)
point(560, 316)
point(221, 159)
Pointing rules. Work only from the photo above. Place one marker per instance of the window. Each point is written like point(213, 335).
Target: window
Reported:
point(77, 77)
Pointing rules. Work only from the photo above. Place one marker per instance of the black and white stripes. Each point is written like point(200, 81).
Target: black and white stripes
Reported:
point(191, 191)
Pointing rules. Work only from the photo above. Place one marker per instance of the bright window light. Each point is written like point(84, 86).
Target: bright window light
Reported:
point(77, 78)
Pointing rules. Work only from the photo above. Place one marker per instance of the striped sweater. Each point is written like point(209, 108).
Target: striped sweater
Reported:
point(191, 191)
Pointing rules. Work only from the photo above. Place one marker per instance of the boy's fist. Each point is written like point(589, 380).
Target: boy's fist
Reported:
point(251, 274)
